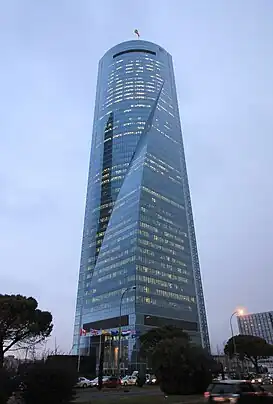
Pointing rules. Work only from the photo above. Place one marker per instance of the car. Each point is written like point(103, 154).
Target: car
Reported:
point(112, 382)
point(267, 380)
point(95, 382)
point(129, 381)
point(256, 379)
point(235, 391)
point(150, 379)
point(83, 382)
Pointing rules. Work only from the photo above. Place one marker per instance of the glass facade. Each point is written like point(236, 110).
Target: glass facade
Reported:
point(138, 227)
point(258, 324)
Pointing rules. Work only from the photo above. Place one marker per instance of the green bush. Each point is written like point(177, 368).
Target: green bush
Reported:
point(48, 382)
point(141, 379)
point(7, 385)
point(180, 367)
point(185, 383)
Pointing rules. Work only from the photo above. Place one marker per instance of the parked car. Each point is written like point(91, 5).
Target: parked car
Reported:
point(235, 391)
point(129, 381)
point(95, 382)
point(267, 380)
point(83, 382)
point(112, 382)
point(150, 379)
point(256, 379)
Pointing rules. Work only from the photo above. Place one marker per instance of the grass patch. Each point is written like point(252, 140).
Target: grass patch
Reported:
point(149, 399)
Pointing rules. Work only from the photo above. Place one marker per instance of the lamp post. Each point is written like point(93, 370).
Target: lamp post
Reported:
point(119, 330)
point(235, 313)
point(80, 327)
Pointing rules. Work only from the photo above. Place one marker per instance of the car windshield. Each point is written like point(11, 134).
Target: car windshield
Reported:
point(233, 388)
point(222, 388)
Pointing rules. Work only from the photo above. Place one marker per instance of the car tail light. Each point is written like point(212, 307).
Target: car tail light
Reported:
point(207, 394)
point(259, 393)
point(264, 393)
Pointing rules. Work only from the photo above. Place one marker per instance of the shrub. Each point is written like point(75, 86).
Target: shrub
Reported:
point(180, 367)
point(47, 382)
point(141, 379)
point(7, 385)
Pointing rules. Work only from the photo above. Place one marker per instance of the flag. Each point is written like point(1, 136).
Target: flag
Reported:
point(82, 331)
point(94, 332)
point(114, 333)
point(126, 333)
point(135, 334)
point(101, 332)
point(137, 33)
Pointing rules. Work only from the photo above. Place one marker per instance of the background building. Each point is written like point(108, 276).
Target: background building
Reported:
point(231, 365)
point(138, 229)
point(260, 325)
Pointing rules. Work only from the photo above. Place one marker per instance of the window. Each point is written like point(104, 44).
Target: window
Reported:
point(246, 388)
point(222, 388)
point(133, 50)
point(155, 321)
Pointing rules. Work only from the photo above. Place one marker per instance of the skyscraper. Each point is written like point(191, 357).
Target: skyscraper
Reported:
point(258, 324)
point(139, 262)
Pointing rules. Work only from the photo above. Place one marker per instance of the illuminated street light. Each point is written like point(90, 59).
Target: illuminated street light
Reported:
point(119, 333)
point(239, 312)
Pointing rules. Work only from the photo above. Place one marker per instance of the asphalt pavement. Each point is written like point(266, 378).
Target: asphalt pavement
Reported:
point(83, 395)
point(90, 394)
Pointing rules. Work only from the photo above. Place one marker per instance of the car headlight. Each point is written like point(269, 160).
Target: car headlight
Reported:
point(253, 381)
point(260, 380)
point(153, 380)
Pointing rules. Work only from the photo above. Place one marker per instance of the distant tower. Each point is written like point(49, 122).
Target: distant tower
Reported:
point(138, 227)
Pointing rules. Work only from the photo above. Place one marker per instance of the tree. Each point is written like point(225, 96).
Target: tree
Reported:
point(181, 368)
point(151, 338)
point(21, 323)
point(249, 347)
point(49, 382)
point(7, 385)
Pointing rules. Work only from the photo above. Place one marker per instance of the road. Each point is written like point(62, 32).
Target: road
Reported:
point(86, 395)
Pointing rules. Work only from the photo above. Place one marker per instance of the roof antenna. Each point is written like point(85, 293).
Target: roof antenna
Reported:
point(137, 33)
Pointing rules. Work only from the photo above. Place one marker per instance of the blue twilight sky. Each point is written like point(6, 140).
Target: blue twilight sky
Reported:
point(223, 57)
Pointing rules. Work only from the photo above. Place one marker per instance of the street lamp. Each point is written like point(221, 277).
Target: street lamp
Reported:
point(235, 313)
point(119, 331)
